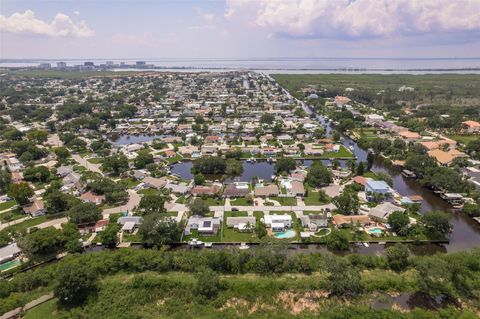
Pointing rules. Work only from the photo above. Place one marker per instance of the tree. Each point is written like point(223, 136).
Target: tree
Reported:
point(143, 159)
point(115, 165)
point(5, 180)
point(77, 144)
point(397, 257)
point(360, 169)
point(37, 136)
point(109, 237)
point(336, 136)
point(399, 222)
point(199, 179)
point(318, 175)
point(42, 242)
point(36, 174)
point(338, 240)
point(209, 165)
point(369, 161)
point(84, 213)
point(347, 203)
point(344, 280)
point(261, 230)
point(267, 118)
point(437, 224)
point(158, 230)
point(21, 192)
point(420, 164)
point(58, 202)
point(74, 283)
point(62, 153)
point(473, 148)
point(208, 284)
point(234, 167)
point(199, 207)
point(285, 165)
point(152, 203)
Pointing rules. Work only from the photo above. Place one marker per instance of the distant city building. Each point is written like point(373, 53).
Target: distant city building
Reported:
point(109, 63)
point(61, 65)
point(140, 64)
point(88, 64)
point(44, 65)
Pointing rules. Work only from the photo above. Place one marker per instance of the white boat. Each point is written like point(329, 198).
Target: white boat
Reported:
point(208, 245)
point(366, 244)
point(194, 242)
point(382, 243)
point(351, 148)
point(243, 246)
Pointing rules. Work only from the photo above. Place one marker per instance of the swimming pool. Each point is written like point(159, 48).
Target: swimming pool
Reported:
point(375, 231)
point(286, 234)
point(9, 265)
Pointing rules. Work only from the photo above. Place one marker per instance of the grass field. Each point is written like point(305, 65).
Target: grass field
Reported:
point(285, 201)
point(464, 139)
point(7, 205)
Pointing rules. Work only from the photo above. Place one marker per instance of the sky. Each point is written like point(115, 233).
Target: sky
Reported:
point(119, 29)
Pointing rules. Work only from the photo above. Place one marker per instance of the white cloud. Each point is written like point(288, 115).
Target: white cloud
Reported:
point(61, 25)
point(358, 18)
point(76, 12)
point(207, 16)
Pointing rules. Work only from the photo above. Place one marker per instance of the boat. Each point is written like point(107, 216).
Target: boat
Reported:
point(208, 245)
point(243, 246)
point(194, 242)
point(366, 244)
point(351, 148)
point(382, 243)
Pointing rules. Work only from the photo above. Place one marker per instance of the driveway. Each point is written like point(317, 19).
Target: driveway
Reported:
point(133, 201)
point(90, 166)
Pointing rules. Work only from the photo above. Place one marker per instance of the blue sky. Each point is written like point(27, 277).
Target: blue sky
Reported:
point(239, 28)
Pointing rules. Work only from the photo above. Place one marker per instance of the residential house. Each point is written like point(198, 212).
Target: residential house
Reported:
point(377, 189)
point(233, 190)
point(382, 211)
point(205, 190)
point(90, 197)
point(36, 208)
point(346, 220)
point(241, 223)
point(409, 136)
point(63, 171)
point(203, 225)
point(9, 252)
point(266, 191)
point(101, 225)
point(157, 183)
point(471, 127)
point(278, 223)
point(314, 222)
point(130, 223)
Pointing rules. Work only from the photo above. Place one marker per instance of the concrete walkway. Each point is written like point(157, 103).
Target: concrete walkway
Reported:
point(13, 222)
point(54, 222)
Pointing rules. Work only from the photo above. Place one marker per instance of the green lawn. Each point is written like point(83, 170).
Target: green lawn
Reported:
point(232, 235)
point(12, 215)
point(172, 160)
point(7, 205)
point(285, 201)
point(342, 153)
point(95, 160)
point(313, 199)
point(27, 224)
point(370, 174)
point(194, 234)
point(129, 182)
point(149, 191)
point(214, 202)
point(240, 202)
point(464, 139)
point(45, 310)
point(133, 238)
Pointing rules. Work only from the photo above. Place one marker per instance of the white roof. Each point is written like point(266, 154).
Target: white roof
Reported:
point(278, 225)
point(271, 219)
point(128, 226)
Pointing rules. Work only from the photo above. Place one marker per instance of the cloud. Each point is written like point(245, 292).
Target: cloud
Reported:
point(76, 12)
point(61, 25)
point(210, 17)
point(358, 19)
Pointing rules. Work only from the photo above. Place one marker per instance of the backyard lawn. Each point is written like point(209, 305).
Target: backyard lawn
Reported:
point(232, 235)
point(240, 202)
point(7, 205)
point(464, 139)
point(342, 153)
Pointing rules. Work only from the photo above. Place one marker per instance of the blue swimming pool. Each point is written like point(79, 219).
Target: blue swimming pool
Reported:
point(286, 234)
point(375, 231)
point(10, 264)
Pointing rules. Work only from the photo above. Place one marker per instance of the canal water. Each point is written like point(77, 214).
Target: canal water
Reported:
point(465, 233)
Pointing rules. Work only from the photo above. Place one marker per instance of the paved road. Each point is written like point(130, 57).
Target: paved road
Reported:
point(181, 207)
point(133, 201)
point(90, 166)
